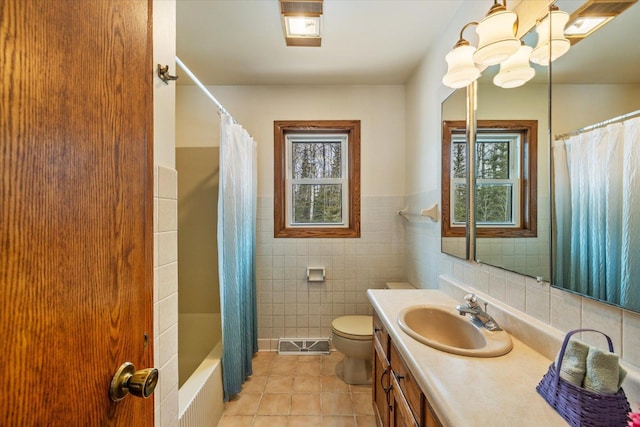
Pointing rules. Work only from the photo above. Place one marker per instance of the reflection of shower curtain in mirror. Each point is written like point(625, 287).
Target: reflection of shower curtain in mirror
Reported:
point(597, 211)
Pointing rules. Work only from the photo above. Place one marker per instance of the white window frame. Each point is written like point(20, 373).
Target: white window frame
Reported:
point(514, 140)
point(343, 181)
point(514, 173)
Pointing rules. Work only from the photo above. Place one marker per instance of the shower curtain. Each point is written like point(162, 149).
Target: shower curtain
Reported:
point(236, 253)
point(597, 205)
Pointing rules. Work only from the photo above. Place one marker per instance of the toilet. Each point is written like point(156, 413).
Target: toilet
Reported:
point(353, 337)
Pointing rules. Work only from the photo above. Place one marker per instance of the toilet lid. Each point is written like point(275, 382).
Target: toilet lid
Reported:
point(353, 327)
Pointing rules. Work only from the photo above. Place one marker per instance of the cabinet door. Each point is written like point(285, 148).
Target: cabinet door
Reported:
point(401, 413)
point(382, 382)
point(407, 384)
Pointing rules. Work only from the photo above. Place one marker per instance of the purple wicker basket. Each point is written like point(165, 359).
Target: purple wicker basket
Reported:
point(581, 407)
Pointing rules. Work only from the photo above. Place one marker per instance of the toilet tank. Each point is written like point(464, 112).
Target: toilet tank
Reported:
point(399, 285)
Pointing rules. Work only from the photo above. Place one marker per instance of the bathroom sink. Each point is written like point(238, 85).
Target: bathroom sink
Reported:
point(442, 328)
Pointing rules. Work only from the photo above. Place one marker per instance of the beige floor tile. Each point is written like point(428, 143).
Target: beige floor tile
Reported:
point(366, 421)
point(308, 368)
point(235, 421)
point(243, 404)
point(254, 384)
point(277, 384)
point(305, 421)
point(271, 421)
point(334, 384)
point(336, 404)
point(362, 403)
point(307, 385)
point(261, 367)
point(305, 404)
point(338, 421)
point(274, 404)
point(359, 388)
point(283, 366)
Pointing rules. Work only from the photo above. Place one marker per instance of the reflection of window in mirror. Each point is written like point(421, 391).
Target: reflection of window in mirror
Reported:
point(506, 178)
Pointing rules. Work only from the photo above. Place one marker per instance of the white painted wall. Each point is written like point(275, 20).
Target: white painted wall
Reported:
point(380, 109)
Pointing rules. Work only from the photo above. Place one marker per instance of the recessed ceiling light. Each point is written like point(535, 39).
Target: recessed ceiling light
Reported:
point(594, 14)
point(302, 26)
point(585, 26)
point(301, 21)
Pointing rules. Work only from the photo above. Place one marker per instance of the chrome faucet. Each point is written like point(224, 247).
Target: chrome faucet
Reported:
point(477, 314)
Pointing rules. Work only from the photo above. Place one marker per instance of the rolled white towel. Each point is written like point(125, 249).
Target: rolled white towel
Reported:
point(574, 362)
point(604, 373)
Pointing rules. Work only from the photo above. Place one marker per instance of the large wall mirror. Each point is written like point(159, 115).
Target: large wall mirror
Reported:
point(454, 221)
point(512, 198)
point(596, 166)
point(587, 237)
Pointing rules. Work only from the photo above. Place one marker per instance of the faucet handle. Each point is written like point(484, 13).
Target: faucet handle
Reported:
point(471, 299)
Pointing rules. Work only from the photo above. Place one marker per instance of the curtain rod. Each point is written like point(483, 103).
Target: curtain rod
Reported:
point(193, 77)
point(599, 125)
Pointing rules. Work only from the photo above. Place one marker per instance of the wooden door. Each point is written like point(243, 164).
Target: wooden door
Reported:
point(76, 188)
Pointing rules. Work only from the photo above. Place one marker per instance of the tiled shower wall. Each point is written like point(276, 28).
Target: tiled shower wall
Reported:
point(291, 307)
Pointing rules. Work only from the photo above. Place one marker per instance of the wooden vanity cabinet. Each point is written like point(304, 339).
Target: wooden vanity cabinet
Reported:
point(397, 399)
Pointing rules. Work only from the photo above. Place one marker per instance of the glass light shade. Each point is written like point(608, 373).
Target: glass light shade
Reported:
point(552, 43)
point(515, 71)
point(462, 70)
point(497, 40)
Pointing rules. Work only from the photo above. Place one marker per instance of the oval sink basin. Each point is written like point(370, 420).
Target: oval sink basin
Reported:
point(443, 328)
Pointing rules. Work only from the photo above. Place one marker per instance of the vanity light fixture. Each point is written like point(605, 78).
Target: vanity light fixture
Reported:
point(461, 68)
point(301, 21)
point(552, 43)
point(496, 31)
point(515, 71)
point(499, 45)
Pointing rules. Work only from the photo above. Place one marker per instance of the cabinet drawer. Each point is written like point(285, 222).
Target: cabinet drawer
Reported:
point(407, 383)
point(381, 337)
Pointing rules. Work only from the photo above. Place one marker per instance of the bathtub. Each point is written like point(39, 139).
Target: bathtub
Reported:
point(200, 396)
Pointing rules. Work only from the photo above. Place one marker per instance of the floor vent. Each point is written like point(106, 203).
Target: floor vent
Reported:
point(303, 346)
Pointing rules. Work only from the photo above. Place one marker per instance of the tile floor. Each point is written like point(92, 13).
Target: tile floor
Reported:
point(291, 391)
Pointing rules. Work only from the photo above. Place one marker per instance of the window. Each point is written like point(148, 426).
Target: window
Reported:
point(317, 178)
point(506, 179)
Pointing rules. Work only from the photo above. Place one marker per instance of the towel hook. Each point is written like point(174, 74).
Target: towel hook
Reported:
point(163, 73)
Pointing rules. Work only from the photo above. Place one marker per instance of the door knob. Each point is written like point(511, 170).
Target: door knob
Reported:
point(127, 380)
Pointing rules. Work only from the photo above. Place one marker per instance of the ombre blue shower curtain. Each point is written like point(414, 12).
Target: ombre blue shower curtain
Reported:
point(597, 206)
point(237, 202)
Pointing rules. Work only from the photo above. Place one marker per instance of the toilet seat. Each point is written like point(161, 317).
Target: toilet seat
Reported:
point(353, 327)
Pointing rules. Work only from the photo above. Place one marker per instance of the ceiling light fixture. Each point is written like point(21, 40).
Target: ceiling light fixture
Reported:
point(301, 21)
point(552, 43)
point(591, 16)
point(497, 40)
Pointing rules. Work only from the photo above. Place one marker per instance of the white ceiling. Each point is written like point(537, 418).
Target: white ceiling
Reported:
point(241, 42)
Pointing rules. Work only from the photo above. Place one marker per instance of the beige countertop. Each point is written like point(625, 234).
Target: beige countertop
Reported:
point(468, 391)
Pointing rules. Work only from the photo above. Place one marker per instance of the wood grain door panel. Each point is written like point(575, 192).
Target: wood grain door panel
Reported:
point(76, 209)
